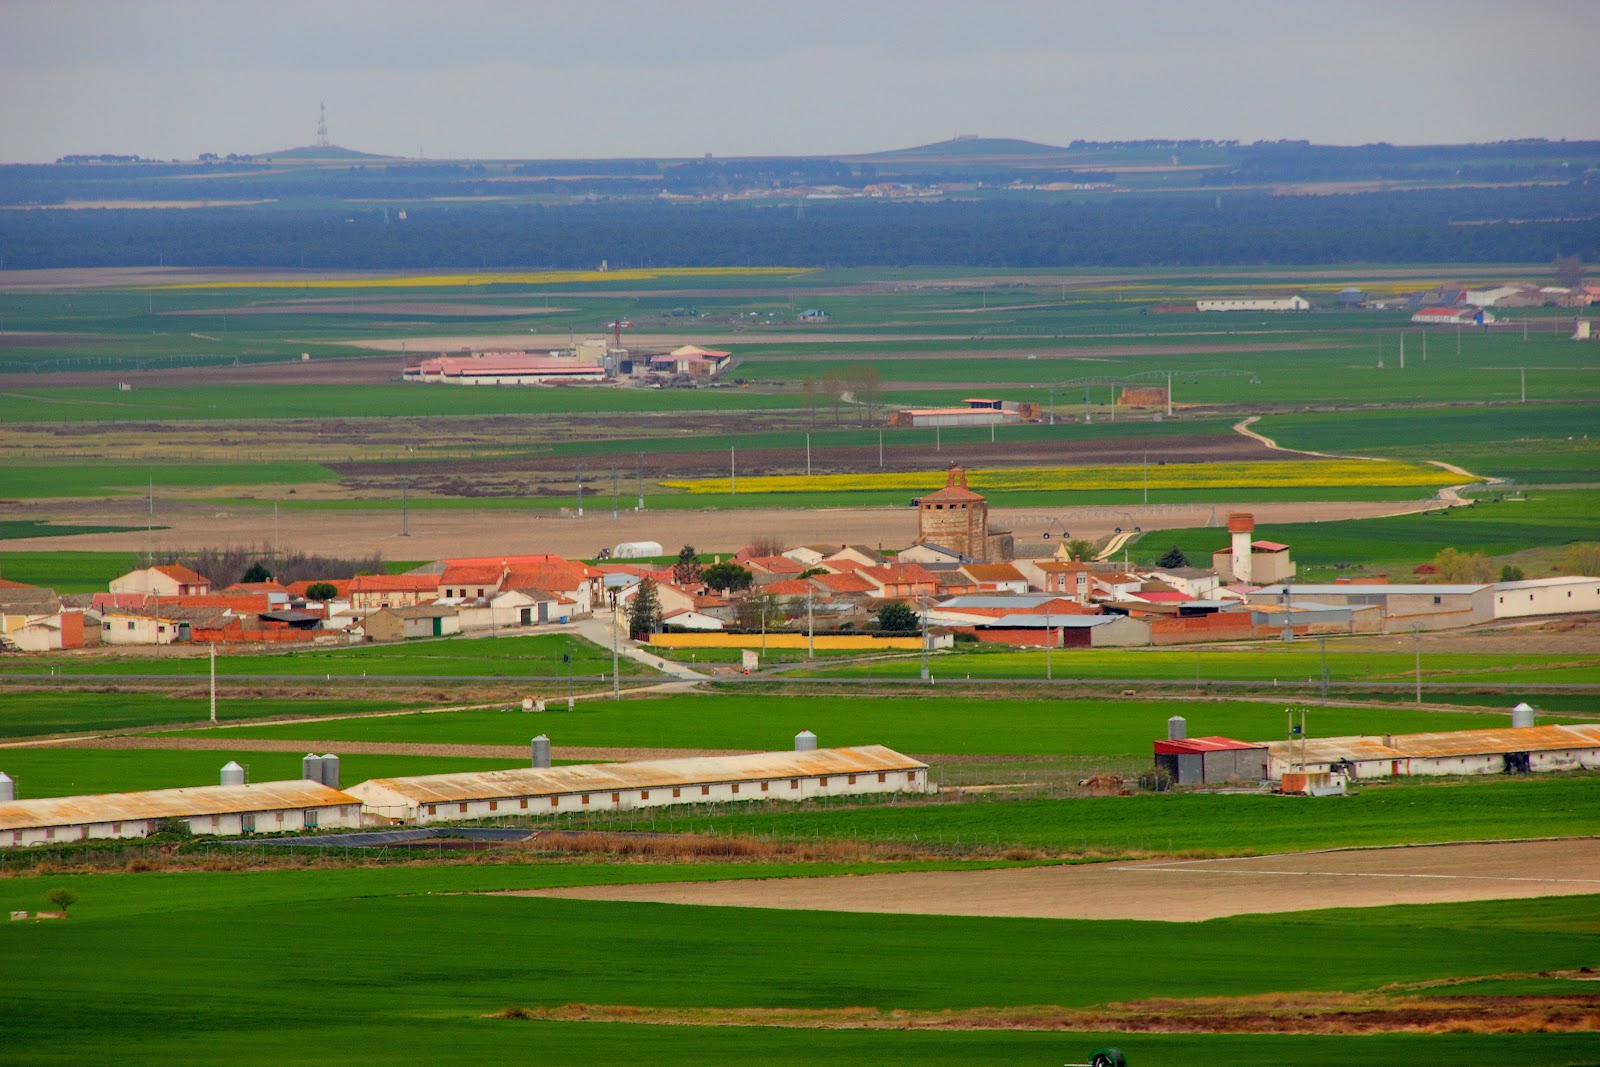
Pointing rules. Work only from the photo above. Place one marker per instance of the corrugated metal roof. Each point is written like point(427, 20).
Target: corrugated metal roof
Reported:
point(1437, 745)
point(1042, 622)
point(1352, 589)
point(644, 774)
point(1016, 600)
point(1545, 583)
point(169, 803)
point(1188, 745)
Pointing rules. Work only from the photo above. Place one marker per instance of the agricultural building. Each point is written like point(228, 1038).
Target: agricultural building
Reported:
point(1405, 607)
point(1254, 303)
point(927, 418)
point(129, 627)
point(649, 783)
point(1452, 316)
point(1211, 760)
point(264, 807)
point(166, 580)
point(422, 620)
point(996, 577)
point(692, 360)
point(1511, 750)
point(506, 368)
point(1063, 631)
point(1252, 562)
point(43, 633)
point(958, 519)
point(1546, 596)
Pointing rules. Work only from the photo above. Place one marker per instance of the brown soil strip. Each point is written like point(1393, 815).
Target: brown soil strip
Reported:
point(387, 748)
point(1172, 891)
point(1278, 1013)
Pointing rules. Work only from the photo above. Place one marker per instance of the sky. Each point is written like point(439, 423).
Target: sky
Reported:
point(170, 79)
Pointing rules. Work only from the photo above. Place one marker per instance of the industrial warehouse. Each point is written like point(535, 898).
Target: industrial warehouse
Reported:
point(1513, 750)
point(315, 802)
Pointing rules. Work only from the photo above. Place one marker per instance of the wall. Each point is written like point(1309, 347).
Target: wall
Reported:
point(788, 640)
point(343, 816)
point(1547, 599)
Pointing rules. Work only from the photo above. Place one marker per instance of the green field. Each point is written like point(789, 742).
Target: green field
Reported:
point(59, 772)
point(200, 966)
point(65, 480)
point(926, 724)
point(520, 656)
point(1546, 519)
point(30, 714)
point(91, 572)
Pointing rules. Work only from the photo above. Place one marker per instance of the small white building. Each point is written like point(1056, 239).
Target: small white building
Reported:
point(262, 808)
point(130, 629)
point(1254, 303)
point(644, 784)
point(1546, 596)
point(689, 619)
point(638, 550)
point(166, 580)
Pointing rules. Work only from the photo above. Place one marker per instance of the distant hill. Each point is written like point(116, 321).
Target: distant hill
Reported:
point(311, 153)
point(974, 149)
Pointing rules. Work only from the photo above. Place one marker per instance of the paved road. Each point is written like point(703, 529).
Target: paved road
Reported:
point(598, 630)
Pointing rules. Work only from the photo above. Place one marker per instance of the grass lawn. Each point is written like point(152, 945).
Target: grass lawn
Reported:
point(57, 772)
point(517, 656)
point(31, 714)
point(930, 724)
point(198, 964)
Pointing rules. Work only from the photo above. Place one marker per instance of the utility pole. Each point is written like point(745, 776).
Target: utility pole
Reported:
point(1288, 615)
point(580, 490)
point(1402, 350)
point(571, 703)
point(616, 680)
point(405, 510)
point(880, 448)
point(1052, 405)
point(277, 546)
point(1522, 378)
point(1049, 647)
point(1169, 395)
point(811, 642)
point(1416, 649)
point(641, 481)
point(808, 453)
point(733, 473)
point(1324, 643)
point(613, 493)
point(1147, 478)
point(213, 681)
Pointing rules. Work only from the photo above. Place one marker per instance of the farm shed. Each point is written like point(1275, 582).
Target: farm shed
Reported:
point(1211, 760)
point(424, 620)
point(1065, 631)
point(505, 368)
point(928, 417)
point(644, 784)
point(1516, 749)
point(1546, 596)
point(1422, 607)
point(1254, 303)
point(264, 807)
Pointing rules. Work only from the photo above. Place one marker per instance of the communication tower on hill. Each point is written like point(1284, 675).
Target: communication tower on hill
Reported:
point(322, 125)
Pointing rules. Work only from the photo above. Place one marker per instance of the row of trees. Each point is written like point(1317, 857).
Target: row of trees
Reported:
point(859, 384)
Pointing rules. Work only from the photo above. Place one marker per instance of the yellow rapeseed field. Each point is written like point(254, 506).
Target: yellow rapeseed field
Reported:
point(1312, 472)
point(445, 281)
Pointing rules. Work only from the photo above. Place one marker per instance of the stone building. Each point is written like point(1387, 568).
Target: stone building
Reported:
point(956, 518)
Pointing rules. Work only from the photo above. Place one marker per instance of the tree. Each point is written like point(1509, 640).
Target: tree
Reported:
point(1174, 558)
point(687, 570)
point(1508, 573)
point(811, 396)
point(766, 545)
point(321, 591)
point(257, 573)
point(1462, 567)
point(898, 617)
point(644, 614)
point(864, 382)
point(724, 577)
point(832, 388)
point(1078, 548)
point(1569, 271)
point(758, 612)
point(62, 897)
point(1582, 558)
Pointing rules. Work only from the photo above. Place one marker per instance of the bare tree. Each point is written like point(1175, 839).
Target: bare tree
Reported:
point(833, 389)
point(1569, 271)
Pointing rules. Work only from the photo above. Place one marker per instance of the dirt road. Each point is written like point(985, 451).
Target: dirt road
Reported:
point(1177, 891)
point(437, 534)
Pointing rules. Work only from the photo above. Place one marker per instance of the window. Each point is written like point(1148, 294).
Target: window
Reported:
point(433, 809)
point(310, 822)
point(494, 805)
point(463, 806)
point(676, 791)
point(216, 821)
point(764, 786)
point(1438, 600)
point(523, 803)
point(586, 798)
point(247, 823)
point(823, 782)
point(616, 798)
point(130, 624)
point(794, 783)
point(278, 815)
point(852, 779)
point(644, 794)
point(705, 790)
point(911, 776)
point(735, 787)
point(116, 828)
point(882, 777)
point(49, 833)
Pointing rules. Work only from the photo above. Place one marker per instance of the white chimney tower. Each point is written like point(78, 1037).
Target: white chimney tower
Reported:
point(1241, 525)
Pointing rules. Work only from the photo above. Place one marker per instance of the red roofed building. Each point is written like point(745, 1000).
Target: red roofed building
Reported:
point(1252, 562)
point(169, 579)
point(843, 584)
point(958, 519)
point(897, 581)
point(369, 592)
point(299, 590)
point(505, 368)
point(1211, 760)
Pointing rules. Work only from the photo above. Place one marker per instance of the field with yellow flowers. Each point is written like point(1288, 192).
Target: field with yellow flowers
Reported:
point(487, 278)
point(1282, 474)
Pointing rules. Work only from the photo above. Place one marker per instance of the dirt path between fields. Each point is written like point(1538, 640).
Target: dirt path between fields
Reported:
point(1449, 496)
point(598, 753)
point(1171, 891)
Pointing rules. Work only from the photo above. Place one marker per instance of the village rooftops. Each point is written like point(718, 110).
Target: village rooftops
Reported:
point(1354, 589)
point(181, 574)
point(394, 583)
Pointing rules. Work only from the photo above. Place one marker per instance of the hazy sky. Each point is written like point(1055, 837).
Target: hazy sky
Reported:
point(480, 78)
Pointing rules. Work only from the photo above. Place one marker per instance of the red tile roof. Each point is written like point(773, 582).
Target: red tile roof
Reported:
point(472, 574)
point(843, 583)
point(789, 587)
point(394, 583)
point(182, 574)
point(342, 585)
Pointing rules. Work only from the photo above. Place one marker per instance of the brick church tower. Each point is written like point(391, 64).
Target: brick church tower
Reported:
point(955, 518)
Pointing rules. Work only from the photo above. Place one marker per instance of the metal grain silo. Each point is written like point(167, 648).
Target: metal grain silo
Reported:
point(1522, 715)
point(805, 741)
point(311, 767)
point(8, 788)
point(232, 773)
point(330, 770)
point(1177, 728)
point(540, 750)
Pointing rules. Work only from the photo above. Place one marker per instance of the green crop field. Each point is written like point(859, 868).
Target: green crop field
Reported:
point(1476, 809)
point(202, 966)
point(518, 656)
point(13, 530)
point(58, 772)
point(32, 714)
point(91, 572)
point(926, 724)
point(64, 480)
point(1546, 519)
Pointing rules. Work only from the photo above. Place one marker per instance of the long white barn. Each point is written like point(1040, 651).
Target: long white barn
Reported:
point(647, 783)
point(1254, 303)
